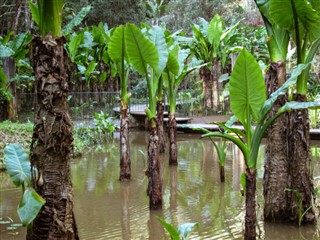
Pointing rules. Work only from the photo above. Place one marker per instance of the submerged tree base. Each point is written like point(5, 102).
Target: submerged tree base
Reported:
point(153, 172)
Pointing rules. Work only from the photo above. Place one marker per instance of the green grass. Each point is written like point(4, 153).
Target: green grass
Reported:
point(19, 133)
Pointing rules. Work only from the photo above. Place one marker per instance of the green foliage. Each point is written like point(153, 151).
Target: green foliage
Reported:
point(141, 52)
point(118, 54)
point(30, 206)
point(18, 166)
point(76, 20)
point(144, 57)
point(50, 17)
point(250, 148)
point(182, 232)
point(247, 96)
point(87, 135)
point(303, 21)
point(221, 149)
point(34, 12)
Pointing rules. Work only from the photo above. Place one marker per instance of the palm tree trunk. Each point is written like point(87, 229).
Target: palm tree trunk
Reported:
point(172, 132)
point(250, 218)
point(153, 172)
point(300, 159)
point(125, 163)
point(162, 142)
point(52, 143)
point(276, 174)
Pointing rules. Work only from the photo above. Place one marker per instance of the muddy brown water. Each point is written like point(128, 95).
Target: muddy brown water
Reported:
point(108, 209)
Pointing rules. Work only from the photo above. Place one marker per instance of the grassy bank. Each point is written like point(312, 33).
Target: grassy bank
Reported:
point(20, 133)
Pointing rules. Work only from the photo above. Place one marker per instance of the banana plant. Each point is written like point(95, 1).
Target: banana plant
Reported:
point(250, 107)
point(52, 136)
point(118, 54)
point(174, 73)
point(146, 60)
point(302, 20)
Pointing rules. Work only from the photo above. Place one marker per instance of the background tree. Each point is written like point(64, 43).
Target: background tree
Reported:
point(52, 136)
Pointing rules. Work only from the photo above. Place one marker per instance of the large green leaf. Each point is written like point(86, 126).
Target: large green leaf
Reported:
point(76, 20)
point(74, 45)
point(247, 88)
point(283, 89)
point(34, 12)
point(215, 30)
point(284, 13)
point(30, 205)
point(17, 164)
point(173, 64)
point(141, 52)
point(5, 51)
point(117, 53)
point(289, 106)
point(157, 37)
point(116, 47)
point(174, 234)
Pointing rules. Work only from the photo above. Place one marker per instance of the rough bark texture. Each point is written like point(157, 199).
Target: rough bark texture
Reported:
point(52, 143)
point(153, 172)
point(250, 218)
point(300, 158)
point(125, 163)
point(172, 132)
point(162, 140)
point(207, 85)
point(276, 174)
point(222, 176)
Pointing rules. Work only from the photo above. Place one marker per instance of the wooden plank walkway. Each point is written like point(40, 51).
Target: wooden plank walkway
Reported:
point(189, 128)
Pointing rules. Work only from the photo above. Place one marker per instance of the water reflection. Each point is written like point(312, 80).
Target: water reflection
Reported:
point(108, 209)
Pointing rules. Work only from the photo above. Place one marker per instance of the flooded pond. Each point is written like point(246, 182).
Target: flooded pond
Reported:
point(108, 209)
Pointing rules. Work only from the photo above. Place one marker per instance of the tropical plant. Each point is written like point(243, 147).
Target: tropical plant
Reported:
point(18, 167)
point(209, 44)
point(302, 20)
point(148, 60)
point(174, 73)
point(276, 151)
point(117, 51)
point(181, 233)
point(221, 149)
point(249, 105)
point(52, 137)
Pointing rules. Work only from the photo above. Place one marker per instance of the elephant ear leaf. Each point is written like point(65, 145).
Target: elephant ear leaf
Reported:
point(247, 88)
point(285, 12)
point(141, 52)
point(157, 37)
point(29, 206)
point(17, 164)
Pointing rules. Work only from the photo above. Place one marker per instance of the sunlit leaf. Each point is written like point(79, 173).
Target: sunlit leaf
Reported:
point(247, 88)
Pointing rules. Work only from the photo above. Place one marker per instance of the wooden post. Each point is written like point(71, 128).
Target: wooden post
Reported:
point(9, 69)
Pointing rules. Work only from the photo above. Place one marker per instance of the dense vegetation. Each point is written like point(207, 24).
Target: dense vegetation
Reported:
point(263, 63)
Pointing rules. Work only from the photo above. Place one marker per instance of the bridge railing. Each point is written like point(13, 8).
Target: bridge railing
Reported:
point(83, 105)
